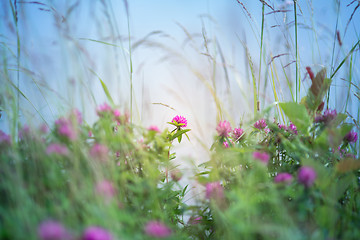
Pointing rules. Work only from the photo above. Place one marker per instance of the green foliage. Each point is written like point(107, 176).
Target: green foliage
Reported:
point(297, 113)
point(108, 179)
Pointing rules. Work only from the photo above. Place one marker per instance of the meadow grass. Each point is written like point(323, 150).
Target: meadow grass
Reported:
point(288, 168)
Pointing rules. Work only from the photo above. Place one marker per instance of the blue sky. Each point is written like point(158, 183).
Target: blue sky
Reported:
point(57, 51)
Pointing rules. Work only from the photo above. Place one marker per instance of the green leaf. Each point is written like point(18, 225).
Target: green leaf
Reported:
point(339, 119)
point(176, 124)
point(178, 133)
point(297, 114)
point(332, 137)
point(106, 90)
point(184, 190)
point(187, 136)
point(179, 138)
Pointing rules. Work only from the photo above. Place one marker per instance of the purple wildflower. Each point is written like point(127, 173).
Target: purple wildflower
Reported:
point(65, 128)
point(293, 128)
point(96, 233)
point(180, 120)
point(154, 128)
point(214, 190)
point(238, 133)
point(327, 117)
point(351, 137)
point(4, 138)
point(52, 230)
point(226, 144)
point(116, 113)
point(283, 178)
point(307, 176)
point(157, 229)
point(102, 109)
point(106, 189)
point(261, 156)
point(260, 124)
point(57, 148)
point(99, 152)
point(282, 126)
point(223, 128)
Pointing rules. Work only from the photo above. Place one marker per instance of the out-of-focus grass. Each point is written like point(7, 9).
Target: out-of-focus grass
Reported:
point(205, 59)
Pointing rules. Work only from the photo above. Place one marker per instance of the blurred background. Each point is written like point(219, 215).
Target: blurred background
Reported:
point(161, 58)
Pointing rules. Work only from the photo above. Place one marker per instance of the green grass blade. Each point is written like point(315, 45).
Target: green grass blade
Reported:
point(106, 90)
point(24, 96)
point(344, 60)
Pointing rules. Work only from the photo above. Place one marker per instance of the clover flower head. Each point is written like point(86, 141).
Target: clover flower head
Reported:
point(180, 120)
point(102, 109)
point(260, 124)
point(238, 133)
point(223, 128)
point(261, 156)
point(99, 152)
point(283, 178)
point(65, 128)
point(307, 176)
point(214, 190)
point(328, 116)
point(351, 137)
point(52, 230)
point(293, 128)
point(116, 113)
point(226, 144)
point(157, 229)
point(106, 189)
point(96, 233)
point(154, 128)
point(57, 149)
point(282, 126)
point(5, 138)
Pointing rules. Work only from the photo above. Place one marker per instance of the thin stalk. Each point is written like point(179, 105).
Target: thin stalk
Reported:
point(254, 82)
point(276, 98)
point(15, 128)
point(343, 61)
point(350, 79)
point(297, 82)
point(333, 52)
point(261, 44)
point(288, 83)
point(281, 94)
point(131, 69)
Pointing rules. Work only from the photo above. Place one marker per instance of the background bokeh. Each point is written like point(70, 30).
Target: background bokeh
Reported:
point(182, 54)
